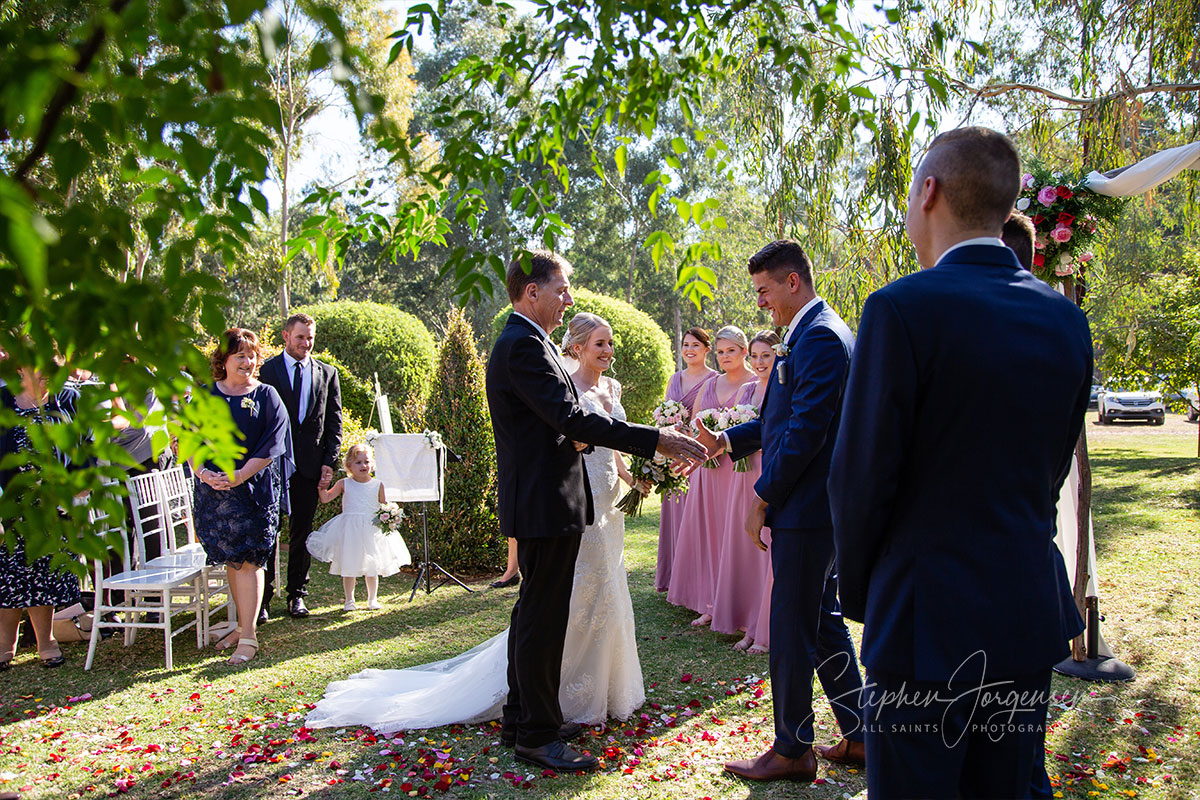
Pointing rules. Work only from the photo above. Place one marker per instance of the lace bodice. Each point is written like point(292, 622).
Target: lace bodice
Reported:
point(360, 498)
point(601, 468)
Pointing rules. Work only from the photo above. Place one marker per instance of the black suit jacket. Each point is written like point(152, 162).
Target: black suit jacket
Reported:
point(316, 439)
point(944, 496)
point(536, 417)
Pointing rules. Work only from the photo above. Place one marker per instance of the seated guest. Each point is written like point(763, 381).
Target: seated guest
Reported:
point(237, 515)
point(24, 587)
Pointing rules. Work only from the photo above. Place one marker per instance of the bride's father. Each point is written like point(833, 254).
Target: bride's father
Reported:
point(800, 413)
point(544, 498)
point(943, 513)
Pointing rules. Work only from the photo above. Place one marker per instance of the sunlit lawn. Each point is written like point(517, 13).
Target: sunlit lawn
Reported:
point(208, 729)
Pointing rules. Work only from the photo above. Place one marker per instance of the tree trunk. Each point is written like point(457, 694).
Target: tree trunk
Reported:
point(284, 294)
point(678, 334)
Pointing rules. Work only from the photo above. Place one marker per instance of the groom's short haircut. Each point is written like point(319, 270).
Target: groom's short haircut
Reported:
point(979, 173)
point(781, 258)
point(1018, 234)
point(542, 263)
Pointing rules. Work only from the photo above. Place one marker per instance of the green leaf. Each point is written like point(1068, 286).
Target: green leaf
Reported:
point(620, 157)
point(679, 145)
point(70, 159)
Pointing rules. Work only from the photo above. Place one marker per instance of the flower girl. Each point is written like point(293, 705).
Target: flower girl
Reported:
point(352, 542)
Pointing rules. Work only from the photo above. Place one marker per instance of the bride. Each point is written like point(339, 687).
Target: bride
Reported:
point(601, 675)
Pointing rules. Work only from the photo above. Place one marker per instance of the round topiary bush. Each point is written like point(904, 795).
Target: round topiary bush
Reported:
point(371, 338)
point(643, 364)
point(357, 394)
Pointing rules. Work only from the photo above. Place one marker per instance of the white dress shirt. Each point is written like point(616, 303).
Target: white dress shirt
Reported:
point(544, 333)
point(990, 241)
point(306, 380)
point(795, 323)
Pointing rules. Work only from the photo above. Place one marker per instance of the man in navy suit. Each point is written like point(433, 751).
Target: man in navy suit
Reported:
point(943, 510)
point(800, 413)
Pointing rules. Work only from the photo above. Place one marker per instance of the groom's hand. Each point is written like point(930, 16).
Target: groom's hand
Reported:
point(679, 446)
point(755, 520)
point(714, 444)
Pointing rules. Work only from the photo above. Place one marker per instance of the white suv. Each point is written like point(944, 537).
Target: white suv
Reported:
point(1116, 404)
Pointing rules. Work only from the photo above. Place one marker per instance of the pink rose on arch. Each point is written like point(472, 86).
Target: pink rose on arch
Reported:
point(1061, 234)
point(1026, 181)
point(1085, 257)
point(1064, 270)
point(1047, 196)
point(1039, 241)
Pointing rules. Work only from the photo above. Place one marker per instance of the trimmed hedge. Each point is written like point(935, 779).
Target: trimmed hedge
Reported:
point(643, 364)
point(357, 394)
point(371, 337)
point(466, 535)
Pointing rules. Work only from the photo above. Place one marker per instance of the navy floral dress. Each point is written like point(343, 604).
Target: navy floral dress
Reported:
point(242, 524)
point(25, 585)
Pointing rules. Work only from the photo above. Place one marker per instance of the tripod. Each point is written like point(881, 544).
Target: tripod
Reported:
point(427, 567)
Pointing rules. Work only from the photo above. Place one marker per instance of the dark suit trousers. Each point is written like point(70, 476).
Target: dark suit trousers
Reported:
point(536, 635)
point(302, 492)
point(808, 634)
point(966, 743)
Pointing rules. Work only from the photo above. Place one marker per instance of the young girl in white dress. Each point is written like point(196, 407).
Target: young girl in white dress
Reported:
point(351, 542)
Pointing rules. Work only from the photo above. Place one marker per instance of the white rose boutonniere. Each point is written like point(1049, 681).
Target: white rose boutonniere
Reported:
point(781, 349)
point(248, 402)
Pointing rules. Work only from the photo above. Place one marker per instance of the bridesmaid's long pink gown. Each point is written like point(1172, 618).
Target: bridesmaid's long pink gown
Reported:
point(741, 568)
point(693, 572)
point(672, 510)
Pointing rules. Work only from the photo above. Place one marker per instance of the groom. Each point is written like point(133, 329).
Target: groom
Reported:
point(800, 413)
point(544, 498)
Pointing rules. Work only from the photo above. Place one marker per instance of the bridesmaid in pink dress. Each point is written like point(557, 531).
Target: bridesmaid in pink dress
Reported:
point(683, 387)
point(742, 594)
point(693, 572)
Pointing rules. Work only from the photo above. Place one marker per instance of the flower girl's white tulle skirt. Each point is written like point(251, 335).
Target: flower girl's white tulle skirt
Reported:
point(355, 547)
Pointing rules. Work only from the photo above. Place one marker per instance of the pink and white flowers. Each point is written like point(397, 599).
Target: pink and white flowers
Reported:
point(388, 517)
point(670, 414)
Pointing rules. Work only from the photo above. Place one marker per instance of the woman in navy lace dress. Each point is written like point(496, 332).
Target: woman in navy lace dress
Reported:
point(237, 515)
point(34, 588)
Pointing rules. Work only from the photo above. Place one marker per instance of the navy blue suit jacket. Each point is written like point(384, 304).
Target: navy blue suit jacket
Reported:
point(943, 494)
point(799, 417)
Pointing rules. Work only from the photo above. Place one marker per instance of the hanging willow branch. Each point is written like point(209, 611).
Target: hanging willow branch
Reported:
point(997, 89)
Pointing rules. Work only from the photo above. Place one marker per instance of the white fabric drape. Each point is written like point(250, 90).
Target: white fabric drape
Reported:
point(1147, 173)
point(1067, 539)
point(410, 469)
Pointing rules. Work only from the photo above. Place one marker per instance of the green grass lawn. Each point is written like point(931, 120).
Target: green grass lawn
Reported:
point(213, 730)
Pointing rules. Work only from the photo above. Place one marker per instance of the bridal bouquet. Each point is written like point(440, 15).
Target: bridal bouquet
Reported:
point(663, 480)
point(388, 517)
point(670, 414)
point(736, 416)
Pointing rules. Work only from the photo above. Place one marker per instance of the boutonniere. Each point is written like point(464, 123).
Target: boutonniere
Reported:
point(781, 349)
point(248, 402)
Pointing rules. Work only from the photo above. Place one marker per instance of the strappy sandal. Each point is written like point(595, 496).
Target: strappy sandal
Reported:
point(701, 620)
point(744, 643)
point(229, 640)
point(757, 650)
point(238, 658)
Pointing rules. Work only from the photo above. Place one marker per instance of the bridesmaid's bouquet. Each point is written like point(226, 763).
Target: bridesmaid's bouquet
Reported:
point(670, 414)
point(388, 517)
point(714, 421)
point(663, 481)
point(736, 416)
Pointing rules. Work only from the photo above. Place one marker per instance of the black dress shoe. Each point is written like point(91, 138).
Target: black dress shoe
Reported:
point(54, 661)
point(264, 613)
point(568, 731)
point(6, 665)
point(296, 608)
point(513, 581)
point(558, 757)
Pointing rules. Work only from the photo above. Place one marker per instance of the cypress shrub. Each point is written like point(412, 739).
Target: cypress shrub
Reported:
point(466, 535)
point(371, 338)
point(643, 350)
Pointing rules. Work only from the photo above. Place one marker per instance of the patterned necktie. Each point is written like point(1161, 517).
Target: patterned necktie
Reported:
point(296, 381)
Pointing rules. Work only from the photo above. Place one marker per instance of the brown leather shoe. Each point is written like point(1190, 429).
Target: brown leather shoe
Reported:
point(771, 766)
point(844, 752)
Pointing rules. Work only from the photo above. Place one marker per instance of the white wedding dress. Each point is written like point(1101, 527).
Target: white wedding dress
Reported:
point(601, 674)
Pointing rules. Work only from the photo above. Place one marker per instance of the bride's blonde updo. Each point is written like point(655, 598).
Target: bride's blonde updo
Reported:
point(732, 333)
point(579, 330)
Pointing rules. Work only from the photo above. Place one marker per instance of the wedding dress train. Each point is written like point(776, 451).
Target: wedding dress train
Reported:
point(601, 674)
